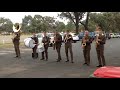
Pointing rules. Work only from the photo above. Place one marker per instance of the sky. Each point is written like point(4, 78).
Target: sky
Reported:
point(17, 16)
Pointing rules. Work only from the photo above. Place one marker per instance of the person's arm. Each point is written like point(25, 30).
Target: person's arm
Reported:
point(82, 41)
point(48, 40)
point(103, 41)
point(59, 38)
point(89, 41)
point(43, 40)
point(71, 38)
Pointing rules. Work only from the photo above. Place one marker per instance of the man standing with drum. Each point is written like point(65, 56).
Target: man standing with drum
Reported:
point(35, 54)
point(45, 41)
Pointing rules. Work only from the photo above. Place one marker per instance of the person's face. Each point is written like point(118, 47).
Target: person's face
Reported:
point(67, 32)
point(86, 33)
point(56, 32)
point(44, 33)
point(100, 32)
point(34, 34)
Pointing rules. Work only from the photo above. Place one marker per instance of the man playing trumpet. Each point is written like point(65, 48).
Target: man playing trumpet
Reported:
point(57, 45)
point(100, 41)
point(86, 45)
point(68, 45)
point(45, 41)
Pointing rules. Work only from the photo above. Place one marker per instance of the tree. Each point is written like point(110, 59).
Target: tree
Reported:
point(26, 24)
point(110, 21)
point(85, 22)
point(5, 25)
point(60, 26)
point(70, 26)
point(75, 17)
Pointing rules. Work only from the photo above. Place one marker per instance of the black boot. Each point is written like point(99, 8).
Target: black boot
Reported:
point(99, 66)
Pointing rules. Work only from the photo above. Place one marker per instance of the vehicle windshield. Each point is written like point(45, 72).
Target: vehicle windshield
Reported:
point(50, 35)
point(39, 35)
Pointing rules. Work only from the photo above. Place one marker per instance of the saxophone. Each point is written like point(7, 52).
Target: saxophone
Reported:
point(84, 43)
point(97, 41)
point(67, 38)
point(54, 42)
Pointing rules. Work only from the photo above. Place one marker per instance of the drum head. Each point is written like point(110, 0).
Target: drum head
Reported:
point(29, 42)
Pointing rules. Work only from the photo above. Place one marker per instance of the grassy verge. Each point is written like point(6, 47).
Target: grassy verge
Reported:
point(10, 45)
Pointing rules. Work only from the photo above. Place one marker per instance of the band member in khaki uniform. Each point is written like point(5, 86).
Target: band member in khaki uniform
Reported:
point(68, 45)
point(46, 41)
point(86, 45)
point(100, 41)
point(35, 54)
point(57, 44)
point(16, 39)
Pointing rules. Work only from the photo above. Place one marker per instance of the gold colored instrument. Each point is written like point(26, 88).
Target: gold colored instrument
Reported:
point(97, 41)
point(84, 42)
point(67, 38)
point(16, 30)
point(54, 42)
point(16, 27)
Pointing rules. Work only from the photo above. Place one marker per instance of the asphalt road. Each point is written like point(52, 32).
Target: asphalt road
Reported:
point(35, 68)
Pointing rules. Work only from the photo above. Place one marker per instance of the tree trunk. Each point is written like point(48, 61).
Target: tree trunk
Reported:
point(77, 28)
point(77, 22)
point(86, 23)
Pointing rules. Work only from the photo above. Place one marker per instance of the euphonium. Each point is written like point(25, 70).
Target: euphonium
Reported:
point(16, 27)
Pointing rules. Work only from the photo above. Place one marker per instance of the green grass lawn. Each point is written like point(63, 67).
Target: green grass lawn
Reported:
point(8, 41)
point(10, 45)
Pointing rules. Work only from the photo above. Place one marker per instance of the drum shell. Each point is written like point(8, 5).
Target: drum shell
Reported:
point(29, 42)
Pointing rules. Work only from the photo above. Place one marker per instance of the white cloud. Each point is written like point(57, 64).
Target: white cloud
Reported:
point(17, 16)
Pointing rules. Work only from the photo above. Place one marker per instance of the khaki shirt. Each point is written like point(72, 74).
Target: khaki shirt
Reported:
point(102, 42)
point(16, 37)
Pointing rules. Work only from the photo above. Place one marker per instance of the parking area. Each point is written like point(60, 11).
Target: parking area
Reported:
point(26, 67)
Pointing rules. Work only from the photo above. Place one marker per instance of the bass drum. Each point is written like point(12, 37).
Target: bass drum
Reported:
point(40, 48)
point(29, 43)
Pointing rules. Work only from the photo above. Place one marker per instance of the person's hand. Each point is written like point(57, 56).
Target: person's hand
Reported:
point(99, 40)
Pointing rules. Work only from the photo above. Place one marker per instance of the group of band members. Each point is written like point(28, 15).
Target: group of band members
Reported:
point(100, 40)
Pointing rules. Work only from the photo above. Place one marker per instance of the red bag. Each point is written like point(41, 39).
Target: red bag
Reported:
point(107, 72)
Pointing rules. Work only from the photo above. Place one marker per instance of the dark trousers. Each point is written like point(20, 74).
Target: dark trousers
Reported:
point(101, 58)
point(46, 52)
point(17, 50)
point(34, 52)
point(68, 46)
point(86, 53)
point(58, 47)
